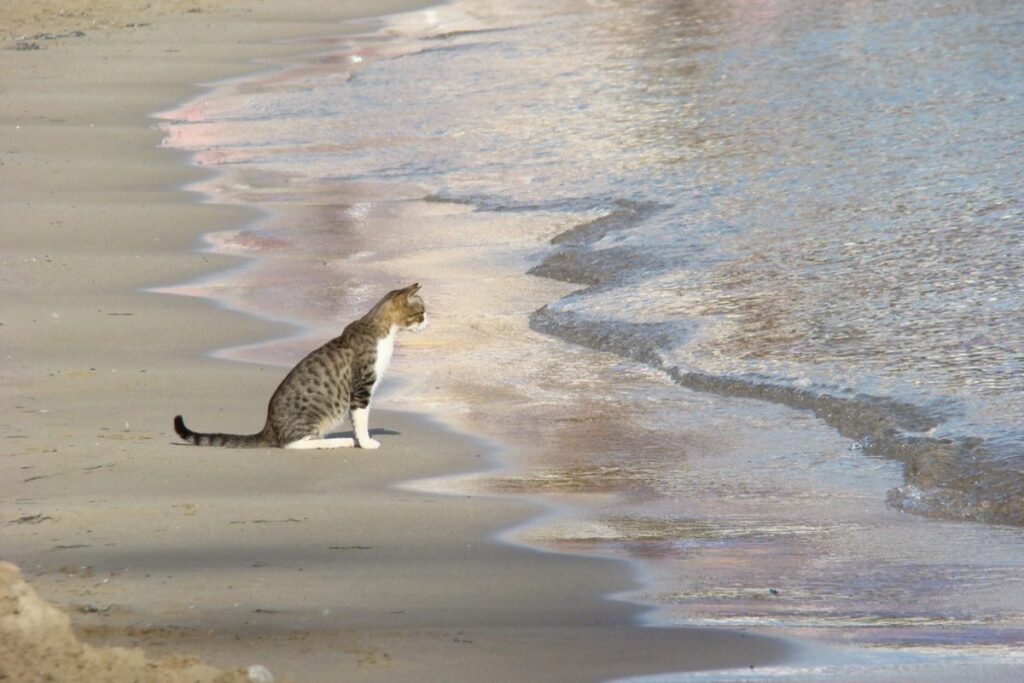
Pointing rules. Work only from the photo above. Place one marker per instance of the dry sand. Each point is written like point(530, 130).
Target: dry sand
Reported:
point(37, 643)
point(310, 563)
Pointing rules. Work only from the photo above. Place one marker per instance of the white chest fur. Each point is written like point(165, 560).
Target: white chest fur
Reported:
point(385, 348)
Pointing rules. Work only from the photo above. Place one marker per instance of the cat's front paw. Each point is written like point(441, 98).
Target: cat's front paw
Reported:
point(369, 443)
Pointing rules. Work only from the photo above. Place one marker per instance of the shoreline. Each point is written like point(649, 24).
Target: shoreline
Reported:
point(148, 547)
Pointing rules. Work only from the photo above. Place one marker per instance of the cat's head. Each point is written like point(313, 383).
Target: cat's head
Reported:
point(405, 308)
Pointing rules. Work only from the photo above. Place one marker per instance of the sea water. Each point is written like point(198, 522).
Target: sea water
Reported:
point(737, 284)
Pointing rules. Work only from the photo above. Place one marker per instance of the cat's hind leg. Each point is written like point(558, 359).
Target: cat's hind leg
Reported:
point(312, 442)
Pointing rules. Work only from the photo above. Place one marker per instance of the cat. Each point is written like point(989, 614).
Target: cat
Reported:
point(333, 381)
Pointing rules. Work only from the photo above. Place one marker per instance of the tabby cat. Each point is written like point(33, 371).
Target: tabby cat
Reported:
point(336, 380)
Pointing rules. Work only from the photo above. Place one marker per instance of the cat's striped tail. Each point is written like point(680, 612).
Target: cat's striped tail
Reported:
point(227, 440)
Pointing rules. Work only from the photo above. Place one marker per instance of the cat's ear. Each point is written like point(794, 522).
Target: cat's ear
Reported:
point(412, 289)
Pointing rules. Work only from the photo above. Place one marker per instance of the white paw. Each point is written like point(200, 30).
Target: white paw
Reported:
point(369, 443)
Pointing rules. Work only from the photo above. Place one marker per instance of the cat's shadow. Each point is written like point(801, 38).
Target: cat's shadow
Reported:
point(351, 434)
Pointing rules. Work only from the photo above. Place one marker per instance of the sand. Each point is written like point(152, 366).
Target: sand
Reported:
point(311, 563)
point(37, 643)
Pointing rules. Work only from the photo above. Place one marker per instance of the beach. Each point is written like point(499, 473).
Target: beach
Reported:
point(639, 282)
point(311, 563)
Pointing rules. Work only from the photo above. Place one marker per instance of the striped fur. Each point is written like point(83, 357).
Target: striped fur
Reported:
point(216, 439)
point(333, 382)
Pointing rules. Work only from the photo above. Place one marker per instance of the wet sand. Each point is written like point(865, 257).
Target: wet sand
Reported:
point(311, 563)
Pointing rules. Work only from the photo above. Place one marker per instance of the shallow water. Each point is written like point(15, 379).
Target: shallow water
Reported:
point(738, 283)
